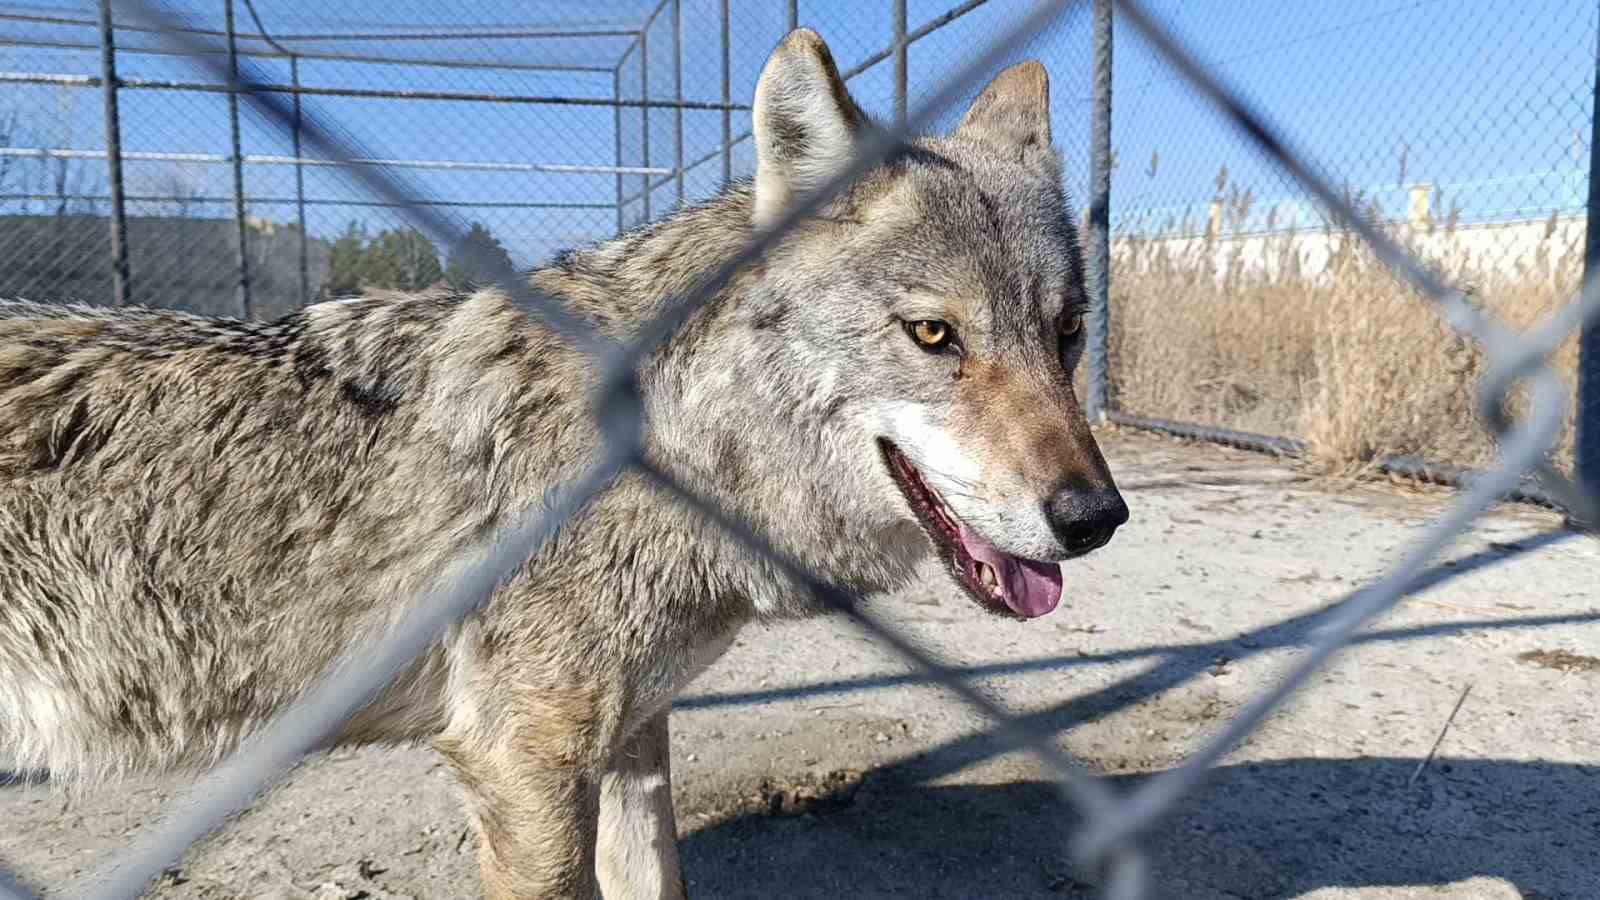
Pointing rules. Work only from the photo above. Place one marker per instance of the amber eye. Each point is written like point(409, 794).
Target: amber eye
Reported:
point(930, 335)
point(1071, 323)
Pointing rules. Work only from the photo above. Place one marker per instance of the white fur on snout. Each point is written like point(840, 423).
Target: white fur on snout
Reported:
point(979, 491)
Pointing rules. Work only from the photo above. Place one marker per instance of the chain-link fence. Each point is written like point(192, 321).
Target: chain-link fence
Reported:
point(1239, 305)
point(631, 137)
point(508, 126)
point(129, 172)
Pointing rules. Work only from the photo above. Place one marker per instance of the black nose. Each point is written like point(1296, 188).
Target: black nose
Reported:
point(1085, 518)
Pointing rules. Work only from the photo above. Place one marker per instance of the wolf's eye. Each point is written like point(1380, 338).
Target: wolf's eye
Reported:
point(930, 335)
point(1071, 323)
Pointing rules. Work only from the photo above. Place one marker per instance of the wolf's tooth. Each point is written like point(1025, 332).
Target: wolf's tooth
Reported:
point(987, 576)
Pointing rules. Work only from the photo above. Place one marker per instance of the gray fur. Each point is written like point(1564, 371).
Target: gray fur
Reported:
point(198, 516)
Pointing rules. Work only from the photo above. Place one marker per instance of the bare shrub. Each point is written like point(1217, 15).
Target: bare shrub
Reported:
point(1308, 334)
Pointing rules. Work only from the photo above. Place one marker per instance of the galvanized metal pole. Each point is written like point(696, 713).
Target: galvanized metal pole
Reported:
point(1588, 399)
point(677, 92)
point(300, 188)
point(794, 14)
point(900, 48)
point(119, 222)
point(616, 94)
point(644, 111)
point(238, 162)
point(727, 98)
point(1098, 355)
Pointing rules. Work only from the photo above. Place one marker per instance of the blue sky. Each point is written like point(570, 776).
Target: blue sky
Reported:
point(1488, 100)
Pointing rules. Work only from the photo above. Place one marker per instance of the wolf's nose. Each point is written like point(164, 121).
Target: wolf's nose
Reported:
point(1085, 519)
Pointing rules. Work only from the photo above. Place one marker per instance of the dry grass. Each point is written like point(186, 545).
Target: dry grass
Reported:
point(1265, 334)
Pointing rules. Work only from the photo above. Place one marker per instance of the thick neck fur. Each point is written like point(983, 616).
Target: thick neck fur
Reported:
point(739, 407)
point(621, 283)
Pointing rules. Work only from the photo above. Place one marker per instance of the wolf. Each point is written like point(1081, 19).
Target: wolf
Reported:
point(198, 516)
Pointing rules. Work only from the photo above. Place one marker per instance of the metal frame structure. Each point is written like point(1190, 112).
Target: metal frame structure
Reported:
point(1108, 844)
point(1588, 449)
point(262, 44)
point(277, 47)
point(119, 221)
point(898, 48)
point(1535, 489)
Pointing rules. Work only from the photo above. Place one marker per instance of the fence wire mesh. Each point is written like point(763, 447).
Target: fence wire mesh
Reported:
point(649, 114)
point(1240, 303)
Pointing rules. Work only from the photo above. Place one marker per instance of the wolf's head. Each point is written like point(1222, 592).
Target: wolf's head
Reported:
point(941, 300)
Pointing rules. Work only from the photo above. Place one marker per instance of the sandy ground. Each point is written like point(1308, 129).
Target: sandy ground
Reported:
point(810, 763)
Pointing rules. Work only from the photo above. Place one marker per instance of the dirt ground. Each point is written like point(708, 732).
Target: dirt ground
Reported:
point(811, 763)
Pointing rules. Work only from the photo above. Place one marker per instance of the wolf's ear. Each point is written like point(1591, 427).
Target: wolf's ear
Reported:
point(805, 123)
point(1013, 112)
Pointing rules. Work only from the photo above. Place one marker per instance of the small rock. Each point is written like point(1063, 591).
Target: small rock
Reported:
point(367, 869)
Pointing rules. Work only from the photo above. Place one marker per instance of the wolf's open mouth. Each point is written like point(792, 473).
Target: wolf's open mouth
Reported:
point(1001, 583)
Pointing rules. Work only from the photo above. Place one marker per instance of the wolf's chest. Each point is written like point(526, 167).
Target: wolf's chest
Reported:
point(672, 675)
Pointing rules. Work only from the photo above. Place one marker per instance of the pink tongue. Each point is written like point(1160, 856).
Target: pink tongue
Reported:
point(1030, 588)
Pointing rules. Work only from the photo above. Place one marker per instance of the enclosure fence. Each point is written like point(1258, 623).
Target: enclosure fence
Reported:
point(198, 204)
point(1242, 313)
point(1108, 844)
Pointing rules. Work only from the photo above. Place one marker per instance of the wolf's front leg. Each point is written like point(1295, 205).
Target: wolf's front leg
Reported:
point(638, 840)
point(535, 806)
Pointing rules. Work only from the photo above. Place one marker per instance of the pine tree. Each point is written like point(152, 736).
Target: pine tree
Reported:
point(478, 244)
point(402, 259)
point(346, 261)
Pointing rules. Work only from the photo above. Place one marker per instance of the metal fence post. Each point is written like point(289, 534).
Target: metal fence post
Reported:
point(616, 94)
point(1587, 462)
point(300, 187)
point(119, 222)
point(794, 14)
point(727, 98)
point(899, 62)
point(677, 91)
point(1097, 358)
point(644, 111)
point(238, 161)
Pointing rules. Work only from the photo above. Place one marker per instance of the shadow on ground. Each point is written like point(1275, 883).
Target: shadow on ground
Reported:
point(1273, 829)
point(1276, 829)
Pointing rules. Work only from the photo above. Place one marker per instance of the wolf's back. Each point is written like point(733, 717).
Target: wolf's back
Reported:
point(188, 503)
